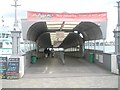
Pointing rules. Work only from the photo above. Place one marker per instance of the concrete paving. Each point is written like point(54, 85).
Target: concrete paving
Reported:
point(119, 82)
point(52, 73)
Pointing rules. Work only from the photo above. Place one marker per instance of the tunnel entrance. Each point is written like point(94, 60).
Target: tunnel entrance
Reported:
point(62, 30)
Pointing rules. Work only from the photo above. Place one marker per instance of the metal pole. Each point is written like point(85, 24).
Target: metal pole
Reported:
point(118, 27)
point(94, 45)
point(16, 23)
point(15, 34)
point(118, 16)
point(117, 32)
point(15, 5)
point(88, 44)
point(103, 45)
point(25, 45)
point(99, 45)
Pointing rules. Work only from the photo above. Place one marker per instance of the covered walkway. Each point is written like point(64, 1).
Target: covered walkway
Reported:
point(64, 30)
point(44, 30)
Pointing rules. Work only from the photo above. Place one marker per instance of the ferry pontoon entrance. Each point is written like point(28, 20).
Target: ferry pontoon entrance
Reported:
point(69, 34)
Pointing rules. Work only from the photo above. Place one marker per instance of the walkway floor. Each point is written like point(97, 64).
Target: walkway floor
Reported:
point(76, 73)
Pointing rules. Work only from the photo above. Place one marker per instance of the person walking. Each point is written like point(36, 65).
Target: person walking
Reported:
point(46, 52)
point(52, 52)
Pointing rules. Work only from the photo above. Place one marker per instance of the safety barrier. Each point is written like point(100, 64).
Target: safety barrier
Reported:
point(99, 57)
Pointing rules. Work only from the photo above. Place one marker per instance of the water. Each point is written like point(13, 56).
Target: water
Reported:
point(106, 49)
point(109, 49)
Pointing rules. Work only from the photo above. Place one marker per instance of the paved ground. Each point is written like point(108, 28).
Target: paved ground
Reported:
point(76, 73)
point(119, 82)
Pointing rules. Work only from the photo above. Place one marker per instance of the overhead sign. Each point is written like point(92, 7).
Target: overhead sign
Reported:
point(60, 34)
point(47, 16)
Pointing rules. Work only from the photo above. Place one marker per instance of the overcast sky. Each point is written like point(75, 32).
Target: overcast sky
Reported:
point(72, 6)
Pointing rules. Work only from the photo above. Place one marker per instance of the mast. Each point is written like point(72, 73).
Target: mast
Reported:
point(15, 34)
point(117, 32)
point(118, 15)
point(15, 5)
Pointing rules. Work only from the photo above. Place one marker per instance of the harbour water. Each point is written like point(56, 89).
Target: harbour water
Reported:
point(109, 49)
point(106, 49)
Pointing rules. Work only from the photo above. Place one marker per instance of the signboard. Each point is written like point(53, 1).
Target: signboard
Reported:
point(101, 58)
point(97, 57)
point(13, 68)
point(3, 67)
point(47, 16)
point(59, 34)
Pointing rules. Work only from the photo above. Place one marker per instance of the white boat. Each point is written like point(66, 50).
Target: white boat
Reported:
point(5, 41)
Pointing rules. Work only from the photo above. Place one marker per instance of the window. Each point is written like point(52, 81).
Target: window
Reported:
point(3, 35)
point(1, 44)
point(11, 43)
point(7, 35)
point(7, 43)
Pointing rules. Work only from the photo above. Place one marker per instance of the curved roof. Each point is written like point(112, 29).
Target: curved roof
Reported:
point(44, 40)
point(72, 40)
point(36, 30)
point(89, 30)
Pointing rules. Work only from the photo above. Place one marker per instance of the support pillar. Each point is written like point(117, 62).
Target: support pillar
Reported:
point(117, 42)
point(103, 45)
point(94, 45)
point(15, 42)
point(37, 49)
point(117, 32)
point(88, 44)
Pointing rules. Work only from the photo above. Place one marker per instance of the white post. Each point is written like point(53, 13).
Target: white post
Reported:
point(99, 45)
point(27, 45)
point(94, 44)
point(24, 46)
point(88, 44)
point(16, 42)
point(103, 45)
point(117, 32)
point(15, 34)
point(30, 45)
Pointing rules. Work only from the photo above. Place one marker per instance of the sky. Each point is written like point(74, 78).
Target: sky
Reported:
point(70, 6)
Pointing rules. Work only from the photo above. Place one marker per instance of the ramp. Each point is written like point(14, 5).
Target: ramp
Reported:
point(74, 67)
